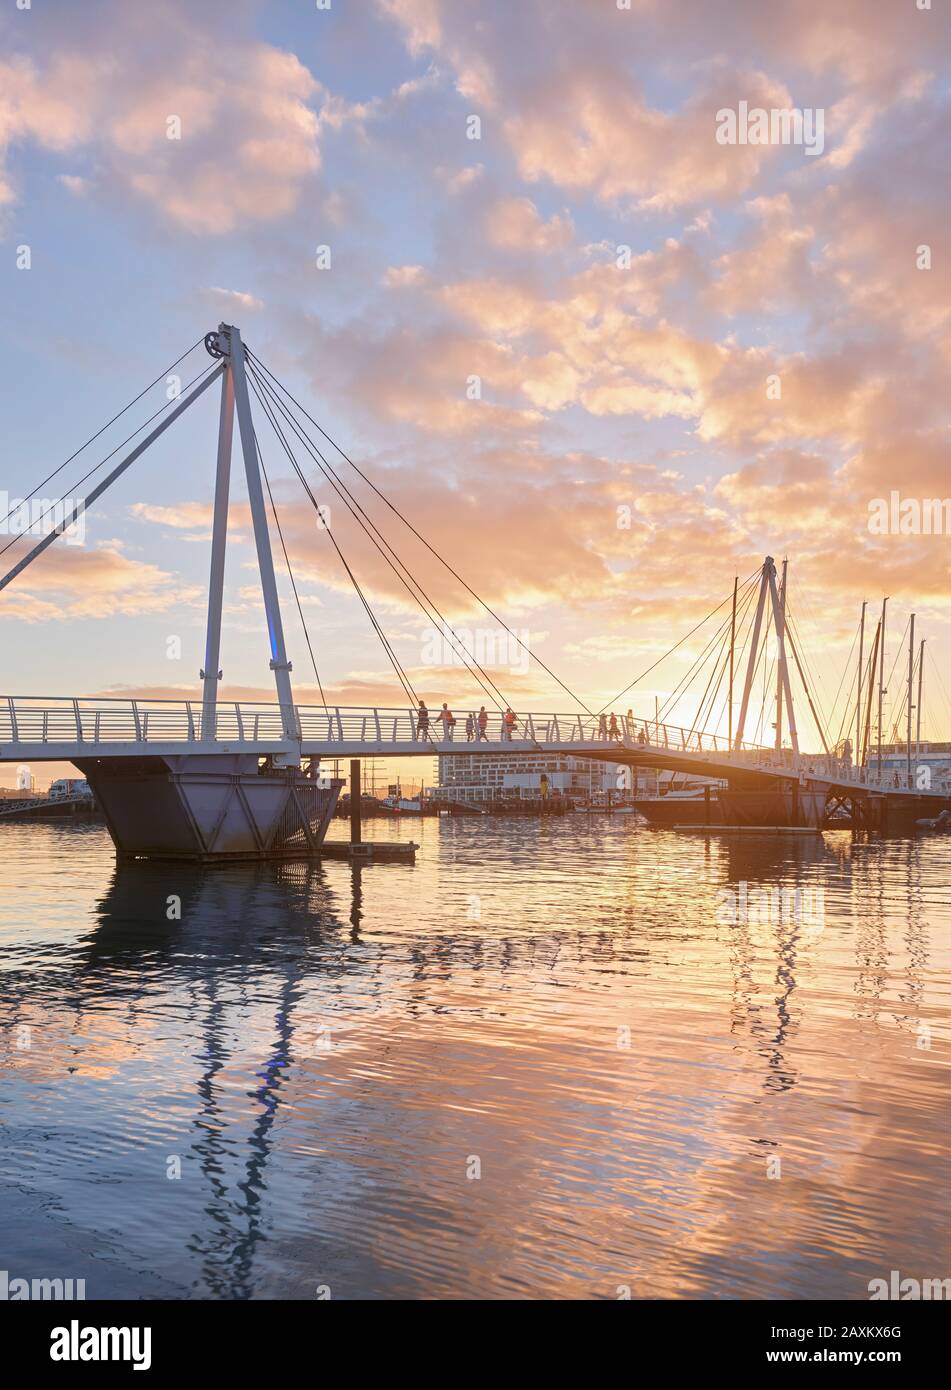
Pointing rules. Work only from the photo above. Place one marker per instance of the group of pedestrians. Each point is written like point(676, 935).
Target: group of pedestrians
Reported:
point(610, 730)
point(476, 725)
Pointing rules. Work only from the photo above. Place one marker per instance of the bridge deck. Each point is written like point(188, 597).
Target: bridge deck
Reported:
point(62, 729)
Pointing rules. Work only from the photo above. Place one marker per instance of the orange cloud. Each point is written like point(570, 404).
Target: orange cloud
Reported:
point(68, 583)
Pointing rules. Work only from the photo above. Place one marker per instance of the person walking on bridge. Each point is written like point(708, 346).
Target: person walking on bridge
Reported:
point(448, 721)
point(422, 721)
point(613, 731)
point(470, 727)
point(508, 724)
point(482, 721)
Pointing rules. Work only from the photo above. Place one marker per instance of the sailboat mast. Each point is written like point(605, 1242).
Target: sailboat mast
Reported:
point(858, 695)
point(754, 649)
point(881, 688)
point(911, 677)
point(781, 625)
point(868, 699)
point(736, 581)
point(921, 674)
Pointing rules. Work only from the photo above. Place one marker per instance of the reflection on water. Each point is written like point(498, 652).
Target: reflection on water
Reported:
point(656, 1096)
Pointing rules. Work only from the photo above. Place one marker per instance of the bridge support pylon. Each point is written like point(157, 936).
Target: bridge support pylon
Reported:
point(235, 401)
point(211, 808)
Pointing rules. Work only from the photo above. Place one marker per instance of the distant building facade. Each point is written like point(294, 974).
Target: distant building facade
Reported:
point(934, 756)
point(477, 777)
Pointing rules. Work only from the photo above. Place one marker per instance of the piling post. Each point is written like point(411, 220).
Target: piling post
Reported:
point(355, 793)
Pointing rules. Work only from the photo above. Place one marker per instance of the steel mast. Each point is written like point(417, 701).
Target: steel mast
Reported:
point(858, 693)
point(911, 675)
point(227, 342)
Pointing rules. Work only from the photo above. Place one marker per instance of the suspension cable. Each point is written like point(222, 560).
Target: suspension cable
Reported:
point(92, 438)
point(805, 667)
point(401, 675)
point(290, 571)
point(706, 708)
point(672, 699)
point(739, 650)
point(102, 463)
point(347, 497)
point(406, 522)
point(729, 598)
point(680, 689)
point(846, 710)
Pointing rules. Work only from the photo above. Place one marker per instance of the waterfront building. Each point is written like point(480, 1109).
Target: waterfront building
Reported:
point(503, 775)
point(935, 756)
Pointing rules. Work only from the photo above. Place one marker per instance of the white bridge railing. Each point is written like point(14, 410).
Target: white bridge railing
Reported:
point(33, 720)
point(29, 723)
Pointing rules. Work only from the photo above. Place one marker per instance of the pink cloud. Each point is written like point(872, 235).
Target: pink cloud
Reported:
point(247, 112)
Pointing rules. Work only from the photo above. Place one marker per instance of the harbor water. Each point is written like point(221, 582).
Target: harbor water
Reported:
point(569, 1058)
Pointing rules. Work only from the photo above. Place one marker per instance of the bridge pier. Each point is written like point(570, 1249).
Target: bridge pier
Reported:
point(210, 807)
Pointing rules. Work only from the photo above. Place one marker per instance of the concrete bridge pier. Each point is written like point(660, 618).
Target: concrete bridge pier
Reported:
point(210, 807)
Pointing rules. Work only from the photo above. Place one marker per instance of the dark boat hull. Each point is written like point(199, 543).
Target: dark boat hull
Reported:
point(680, 810)
point(781, 807)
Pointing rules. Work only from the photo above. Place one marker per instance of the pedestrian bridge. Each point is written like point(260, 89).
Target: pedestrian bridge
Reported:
point(213, 778)
point(62, 729)
point(50, 728)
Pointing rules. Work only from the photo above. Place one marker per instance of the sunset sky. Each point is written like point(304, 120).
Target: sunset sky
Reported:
point(608, 380)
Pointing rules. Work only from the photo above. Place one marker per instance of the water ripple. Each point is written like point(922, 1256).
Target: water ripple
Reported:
point(548, 1060)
